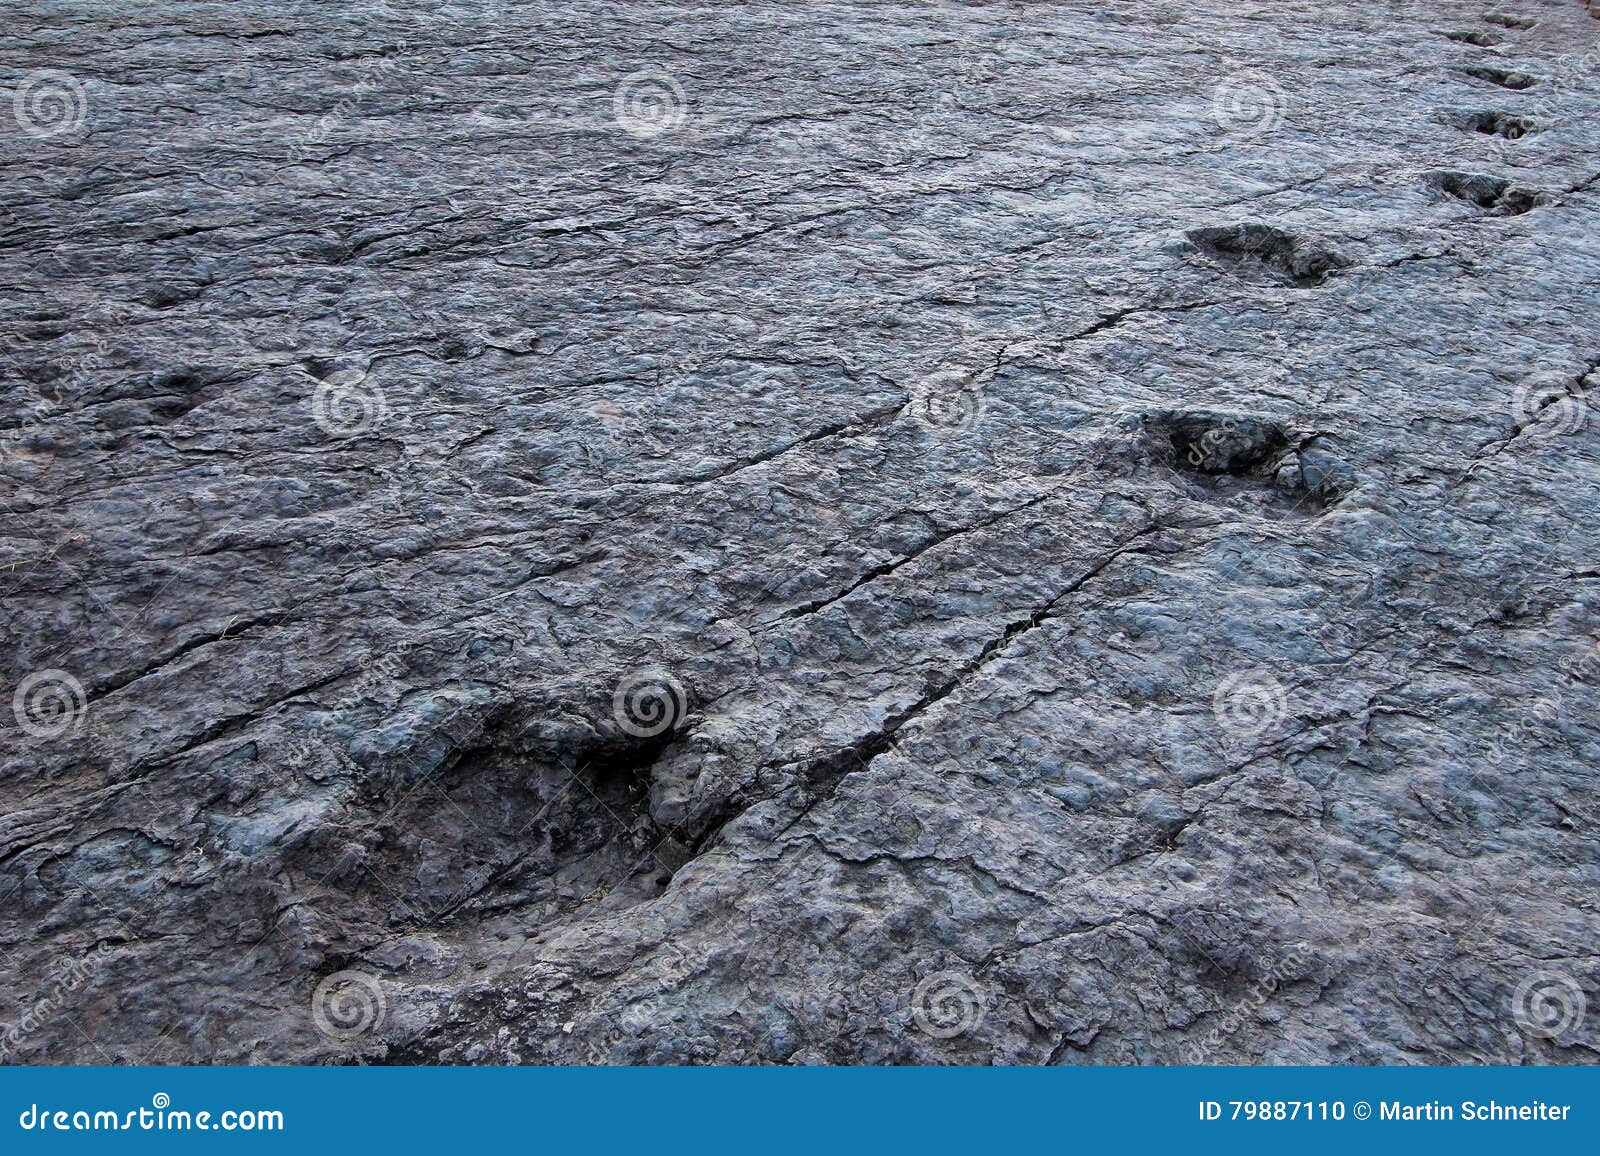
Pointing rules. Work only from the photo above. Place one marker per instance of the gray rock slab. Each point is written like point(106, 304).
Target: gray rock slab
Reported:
point(800, 533)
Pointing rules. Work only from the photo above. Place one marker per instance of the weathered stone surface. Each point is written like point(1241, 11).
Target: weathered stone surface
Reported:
point(776, 533)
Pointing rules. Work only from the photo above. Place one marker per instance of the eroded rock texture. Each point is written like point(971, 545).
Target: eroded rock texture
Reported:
point(944, 532)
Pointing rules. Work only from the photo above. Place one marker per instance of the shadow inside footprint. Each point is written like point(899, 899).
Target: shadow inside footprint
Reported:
point(1267, 253)
point(1504, 77)
point(1213, 442)
point(1249, 458)
point(1493, 122)
point(1476, 36)
point(1493, 193)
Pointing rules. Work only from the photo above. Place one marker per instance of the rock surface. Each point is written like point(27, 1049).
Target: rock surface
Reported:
point(942, 532)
